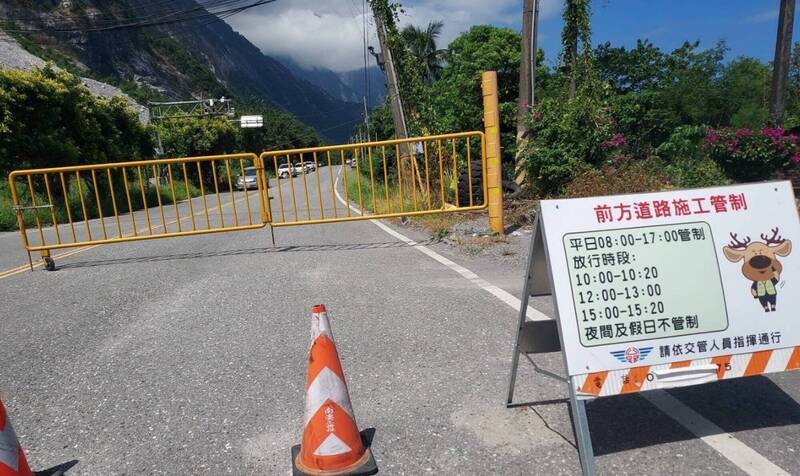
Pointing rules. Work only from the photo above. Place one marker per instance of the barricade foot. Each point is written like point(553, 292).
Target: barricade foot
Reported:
point(49, 263)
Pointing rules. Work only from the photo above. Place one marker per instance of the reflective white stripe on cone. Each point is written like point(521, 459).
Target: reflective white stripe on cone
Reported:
point(12, 458)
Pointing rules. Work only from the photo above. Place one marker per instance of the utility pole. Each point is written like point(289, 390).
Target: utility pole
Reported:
point(525, 88)
point(534, 49)
point(780, 68)
point(366, 117)
point(395, 102)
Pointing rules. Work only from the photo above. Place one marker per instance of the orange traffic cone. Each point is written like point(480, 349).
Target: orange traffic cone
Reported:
point(12, 458)
point(331, 442)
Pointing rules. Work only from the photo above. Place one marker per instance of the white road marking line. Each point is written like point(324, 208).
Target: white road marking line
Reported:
point(744, 457)
point(497, 292)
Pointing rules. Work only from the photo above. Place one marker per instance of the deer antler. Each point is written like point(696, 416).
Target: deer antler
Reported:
point(775, 239)
point(738, 245)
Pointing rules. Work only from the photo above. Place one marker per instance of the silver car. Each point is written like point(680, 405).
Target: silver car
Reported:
point(248, 180)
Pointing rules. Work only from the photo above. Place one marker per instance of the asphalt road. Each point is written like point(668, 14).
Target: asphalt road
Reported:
point(187, 356)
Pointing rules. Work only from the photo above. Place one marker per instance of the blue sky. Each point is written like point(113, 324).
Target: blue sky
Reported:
point(329, 33)
point(748, 26)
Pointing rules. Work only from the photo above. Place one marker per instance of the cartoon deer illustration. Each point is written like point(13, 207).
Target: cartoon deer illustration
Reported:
point(760, 264)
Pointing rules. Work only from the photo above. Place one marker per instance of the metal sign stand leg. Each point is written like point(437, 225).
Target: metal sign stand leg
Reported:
point(580, 423)
point(538, 282)
point(512, 379)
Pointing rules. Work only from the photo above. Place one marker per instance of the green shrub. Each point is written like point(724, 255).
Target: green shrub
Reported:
point(683, 159)
point(180, 191)
point(747, 155)
point(571, 136)
point(684, 143)
point(8, 216)
point(48, 119)
point(626, 176)
point(750, 115)
point(696, 173)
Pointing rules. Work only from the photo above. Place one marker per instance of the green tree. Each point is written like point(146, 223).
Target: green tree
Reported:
point(197, 136)
point(689, 84)
point(48, 118)
point(455, 102)
point(745, 84)
point(422, 44)
point(571, 135)
point(577, 14)
point(639, 69)
point(655, 92)
point(410, 71)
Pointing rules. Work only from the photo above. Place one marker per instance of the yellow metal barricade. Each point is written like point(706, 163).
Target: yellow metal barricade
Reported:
point(89, 205)
point(385, 179)
point(67, 207)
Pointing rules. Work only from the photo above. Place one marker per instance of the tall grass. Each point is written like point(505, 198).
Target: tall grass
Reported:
point(377, 201)
point(125, 202)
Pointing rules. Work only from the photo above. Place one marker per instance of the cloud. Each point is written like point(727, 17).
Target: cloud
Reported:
point(329, 34)
point(320, 34)
point(655, 32)
point(763, 17)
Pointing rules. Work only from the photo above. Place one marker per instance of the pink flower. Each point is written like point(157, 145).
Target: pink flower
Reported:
point(773, 132)
point(617, 140)
point(796, 158)
point(616, 158)
point(744, 132)
point(711, 137)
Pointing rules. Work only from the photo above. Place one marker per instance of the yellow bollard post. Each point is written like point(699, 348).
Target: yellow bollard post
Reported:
point(494, 176)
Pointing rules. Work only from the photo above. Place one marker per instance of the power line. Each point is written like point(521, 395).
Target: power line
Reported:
point(228, 9)
point(366, 75)
point(352, 121)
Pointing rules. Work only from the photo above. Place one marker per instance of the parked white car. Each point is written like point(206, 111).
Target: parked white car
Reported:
point(285, 170)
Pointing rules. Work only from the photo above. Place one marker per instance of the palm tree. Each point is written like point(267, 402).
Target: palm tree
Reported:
point(422, 44)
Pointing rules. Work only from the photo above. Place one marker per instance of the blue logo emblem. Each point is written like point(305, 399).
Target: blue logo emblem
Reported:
point(631, 355)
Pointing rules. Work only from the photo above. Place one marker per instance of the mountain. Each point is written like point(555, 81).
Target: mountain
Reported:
point(14, 56)
point(200, 58)
point(349, 86)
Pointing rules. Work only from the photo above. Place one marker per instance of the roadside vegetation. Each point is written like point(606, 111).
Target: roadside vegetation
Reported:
point(607, 119)
point(49, 119)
